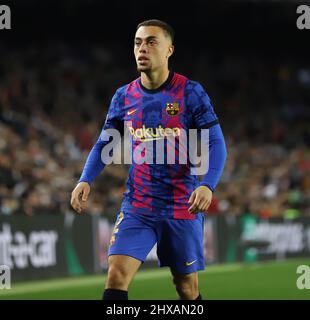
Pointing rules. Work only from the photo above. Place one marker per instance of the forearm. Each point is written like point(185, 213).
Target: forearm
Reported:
point(217, 158)
point(94, 163)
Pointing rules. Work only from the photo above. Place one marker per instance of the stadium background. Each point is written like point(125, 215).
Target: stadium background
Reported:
point(59, 67)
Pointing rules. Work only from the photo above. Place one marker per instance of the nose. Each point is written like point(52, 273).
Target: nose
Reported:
point(143, 47)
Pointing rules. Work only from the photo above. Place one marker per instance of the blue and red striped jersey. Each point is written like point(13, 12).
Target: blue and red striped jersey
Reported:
point(150, 115)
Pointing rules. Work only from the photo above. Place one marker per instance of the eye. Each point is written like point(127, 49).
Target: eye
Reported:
point(152, 42)
point(137, 43)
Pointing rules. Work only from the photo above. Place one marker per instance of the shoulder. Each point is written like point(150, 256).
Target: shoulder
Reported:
point(195, 93)
point(179, 78)
point(194, 87)
point(120, 93)
point(189, 83)
point(127, 87)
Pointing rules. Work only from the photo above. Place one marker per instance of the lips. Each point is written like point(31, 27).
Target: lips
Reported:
point(143, 59)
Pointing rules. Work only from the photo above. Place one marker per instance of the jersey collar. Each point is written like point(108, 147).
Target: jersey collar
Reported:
point(162, 87)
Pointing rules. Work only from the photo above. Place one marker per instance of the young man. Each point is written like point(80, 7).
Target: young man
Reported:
point(164, 203)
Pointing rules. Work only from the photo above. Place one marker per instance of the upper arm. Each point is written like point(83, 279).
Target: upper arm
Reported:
point(200, 105)
point(114, 118)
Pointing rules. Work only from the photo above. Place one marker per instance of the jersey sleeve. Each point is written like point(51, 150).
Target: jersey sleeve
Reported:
point(94, 164)
point(114, 118)
point(217, 157)
point(200, 106)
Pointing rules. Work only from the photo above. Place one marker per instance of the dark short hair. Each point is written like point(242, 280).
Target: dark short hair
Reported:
point(161, 24)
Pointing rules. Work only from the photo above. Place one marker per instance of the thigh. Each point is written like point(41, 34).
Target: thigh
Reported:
point(180, 245)
point(132, 236)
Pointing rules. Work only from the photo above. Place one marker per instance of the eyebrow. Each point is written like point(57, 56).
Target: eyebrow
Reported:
point(147, 38)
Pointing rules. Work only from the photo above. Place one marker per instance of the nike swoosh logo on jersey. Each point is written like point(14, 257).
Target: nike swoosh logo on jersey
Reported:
point(190, 263)
point(131, 111)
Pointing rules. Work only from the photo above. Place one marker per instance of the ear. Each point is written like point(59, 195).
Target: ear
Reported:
point(170, 51)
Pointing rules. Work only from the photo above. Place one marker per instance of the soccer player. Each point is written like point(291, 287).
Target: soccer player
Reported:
point(164, 203)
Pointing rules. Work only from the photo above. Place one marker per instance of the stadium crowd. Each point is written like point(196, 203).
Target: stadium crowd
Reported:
point(53, 102)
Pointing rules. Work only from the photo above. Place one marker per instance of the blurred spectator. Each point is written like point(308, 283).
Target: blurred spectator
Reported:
point(53, 102)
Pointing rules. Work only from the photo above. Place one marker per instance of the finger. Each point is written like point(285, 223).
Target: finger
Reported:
point(197, 209)
point(206, 206)
point(72, 202)
point(199, 202)
point(77, 207)
point(203, 204)
point(192, 197)
point(75, 203)
point(195, 205)
point(192, 208)
point(83, 205)
point(85, 194)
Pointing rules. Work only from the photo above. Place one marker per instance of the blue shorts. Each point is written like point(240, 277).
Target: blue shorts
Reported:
point(179, 242)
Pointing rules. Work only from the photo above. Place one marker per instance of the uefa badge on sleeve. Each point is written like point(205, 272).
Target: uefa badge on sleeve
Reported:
point(172, 108)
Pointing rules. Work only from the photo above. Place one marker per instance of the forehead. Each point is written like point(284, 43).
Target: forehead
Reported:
point(150, 31)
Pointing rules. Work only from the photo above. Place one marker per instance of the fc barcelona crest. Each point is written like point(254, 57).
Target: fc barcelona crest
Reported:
point(172, 108)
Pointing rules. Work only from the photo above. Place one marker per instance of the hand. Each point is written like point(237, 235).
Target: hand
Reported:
point(200, 200)
point(79, 196)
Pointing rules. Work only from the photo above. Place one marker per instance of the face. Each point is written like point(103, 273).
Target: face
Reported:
point(152, 48)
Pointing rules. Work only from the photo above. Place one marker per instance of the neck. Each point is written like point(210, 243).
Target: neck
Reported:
point(154, 79)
